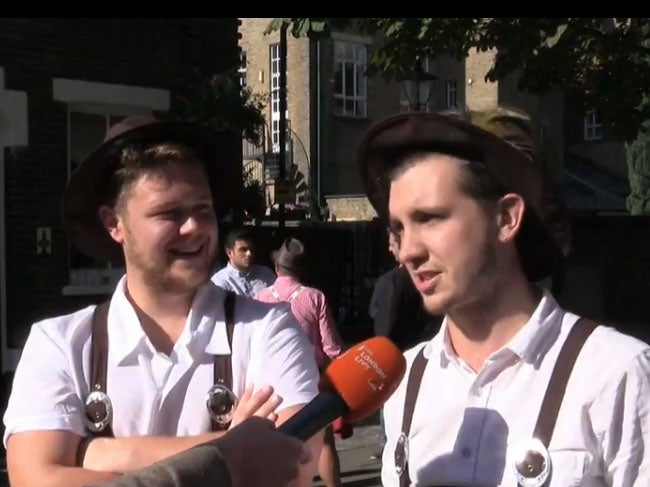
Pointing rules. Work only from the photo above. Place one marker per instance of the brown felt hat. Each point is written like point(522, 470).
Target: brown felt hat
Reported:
point(501, 139)
point(291, 255)
point(87, 189)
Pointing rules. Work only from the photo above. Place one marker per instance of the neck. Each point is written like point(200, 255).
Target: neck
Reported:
point(237, 268)
point(478, 329)
point(162, 314)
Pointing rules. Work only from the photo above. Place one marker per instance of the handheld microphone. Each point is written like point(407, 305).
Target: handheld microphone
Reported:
point(354, 386)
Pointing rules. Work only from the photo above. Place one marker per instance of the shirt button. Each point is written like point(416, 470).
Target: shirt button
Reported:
point(466, 452)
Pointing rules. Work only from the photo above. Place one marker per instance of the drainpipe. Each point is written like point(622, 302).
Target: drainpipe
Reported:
point(318, 123)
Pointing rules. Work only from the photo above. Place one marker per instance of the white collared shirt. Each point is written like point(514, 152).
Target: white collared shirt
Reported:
point(466, 424)
point(245, 283)
point(152, 393)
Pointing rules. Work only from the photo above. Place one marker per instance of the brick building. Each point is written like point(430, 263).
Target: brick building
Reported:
point(62, 81)
point(331, 103)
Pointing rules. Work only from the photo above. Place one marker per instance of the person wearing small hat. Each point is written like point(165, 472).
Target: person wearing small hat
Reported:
point(513, 389)
point(157, 370)
point(310, 308)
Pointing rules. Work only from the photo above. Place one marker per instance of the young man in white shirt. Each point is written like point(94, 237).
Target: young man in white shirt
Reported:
point(498, 396)
point(147, 193)
point(241, 275)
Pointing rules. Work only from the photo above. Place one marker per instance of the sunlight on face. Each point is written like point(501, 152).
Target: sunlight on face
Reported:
point(447, 239)
point(168, 228)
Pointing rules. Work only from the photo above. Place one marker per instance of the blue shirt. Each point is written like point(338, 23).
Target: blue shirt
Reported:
point(244, 283)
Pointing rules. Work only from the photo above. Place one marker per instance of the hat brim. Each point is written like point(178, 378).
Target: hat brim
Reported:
point(86, 189)
point(383, 147)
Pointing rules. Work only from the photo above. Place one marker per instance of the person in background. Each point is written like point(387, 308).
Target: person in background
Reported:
point(241, 275)
point(310, 308)
point(398, 313)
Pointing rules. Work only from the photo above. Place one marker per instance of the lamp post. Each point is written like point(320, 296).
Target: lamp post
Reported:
point(418, 87)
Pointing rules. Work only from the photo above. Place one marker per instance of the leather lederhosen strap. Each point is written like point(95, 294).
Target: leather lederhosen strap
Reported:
point(223, 363)
point(551, 403)
point(99, 357)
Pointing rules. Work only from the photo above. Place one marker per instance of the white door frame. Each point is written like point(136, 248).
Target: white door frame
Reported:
point(13, 133)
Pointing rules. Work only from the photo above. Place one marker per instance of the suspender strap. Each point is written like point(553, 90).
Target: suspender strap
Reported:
point(412, 389)
point(295, 293)
point(99, 356)
point(557, 385)
point(223, 363)
point(551, 403)
point(275, 294)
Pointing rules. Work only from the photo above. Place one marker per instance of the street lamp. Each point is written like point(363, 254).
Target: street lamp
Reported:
point(418, 88)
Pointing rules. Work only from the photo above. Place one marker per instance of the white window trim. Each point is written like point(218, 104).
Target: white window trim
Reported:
point(104, 99)
point(345, 37)
point(451, 91)
point(591, 124)
point(354, 97)
point(106, 94)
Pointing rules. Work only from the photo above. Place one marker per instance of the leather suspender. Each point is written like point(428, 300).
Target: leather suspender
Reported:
point(550, 404)
point(99, 356)
point(98, 364)
point(223, 363)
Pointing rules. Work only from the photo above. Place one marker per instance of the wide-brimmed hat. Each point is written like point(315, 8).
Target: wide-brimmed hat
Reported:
point(291, 255)
point(87, 189)
point(499, 138)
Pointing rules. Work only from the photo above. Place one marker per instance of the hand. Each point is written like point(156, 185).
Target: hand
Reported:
point(257, 455)
point(263, 404)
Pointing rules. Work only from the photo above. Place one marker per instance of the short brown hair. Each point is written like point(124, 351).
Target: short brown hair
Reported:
point(136, 160)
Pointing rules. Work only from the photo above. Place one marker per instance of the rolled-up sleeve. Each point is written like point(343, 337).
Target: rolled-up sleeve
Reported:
point(43, 395)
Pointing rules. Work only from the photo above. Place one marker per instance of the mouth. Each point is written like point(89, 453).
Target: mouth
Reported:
point(426, 281)
point(189, 253)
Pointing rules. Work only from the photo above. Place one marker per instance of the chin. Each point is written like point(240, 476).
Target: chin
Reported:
point(436, 304)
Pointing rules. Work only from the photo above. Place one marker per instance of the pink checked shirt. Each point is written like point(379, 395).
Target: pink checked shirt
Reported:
point(309, 306)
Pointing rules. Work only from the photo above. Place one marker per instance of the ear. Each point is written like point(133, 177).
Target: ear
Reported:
point(510, 216)
point(229, 253)
point(112, 223)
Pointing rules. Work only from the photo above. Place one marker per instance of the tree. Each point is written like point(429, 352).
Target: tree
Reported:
point(638, 161)
point(220, 102)
point(601, 64)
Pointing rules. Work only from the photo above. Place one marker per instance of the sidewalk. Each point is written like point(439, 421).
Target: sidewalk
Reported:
point(357, 468)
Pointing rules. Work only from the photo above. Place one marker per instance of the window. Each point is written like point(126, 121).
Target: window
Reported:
point(274, 58)
point(350, 79)
point(452, 93)
point(242, 69)
point(593, 127)
point(92, 108)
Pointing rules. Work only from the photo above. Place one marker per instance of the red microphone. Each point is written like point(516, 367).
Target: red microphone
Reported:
point(354, 386)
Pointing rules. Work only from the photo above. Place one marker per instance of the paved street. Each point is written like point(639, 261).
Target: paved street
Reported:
point(358, 469)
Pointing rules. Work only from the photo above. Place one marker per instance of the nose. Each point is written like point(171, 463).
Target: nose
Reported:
point(412, 251)
point(190, 225)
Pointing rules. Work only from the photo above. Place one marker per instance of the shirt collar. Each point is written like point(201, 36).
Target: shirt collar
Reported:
point(530, 343)
point(287, 281)
point(127, 336)
point(232, 270)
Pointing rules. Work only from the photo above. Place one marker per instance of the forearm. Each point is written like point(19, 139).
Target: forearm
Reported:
point(128, 454)
point(58, 476)
point(187, 468)
point(308, 470)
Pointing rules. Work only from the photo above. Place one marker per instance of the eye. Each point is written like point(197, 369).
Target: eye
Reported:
point(171, 215)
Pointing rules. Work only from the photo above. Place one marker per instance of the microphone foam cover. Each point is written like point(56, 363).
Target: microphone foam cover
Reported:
point(365, 376)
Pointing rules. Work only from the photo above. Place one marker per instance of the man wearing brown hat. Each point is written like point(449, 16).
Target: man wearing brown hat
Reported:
point(310, 308)
point(114, 388)
point(513, 390)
